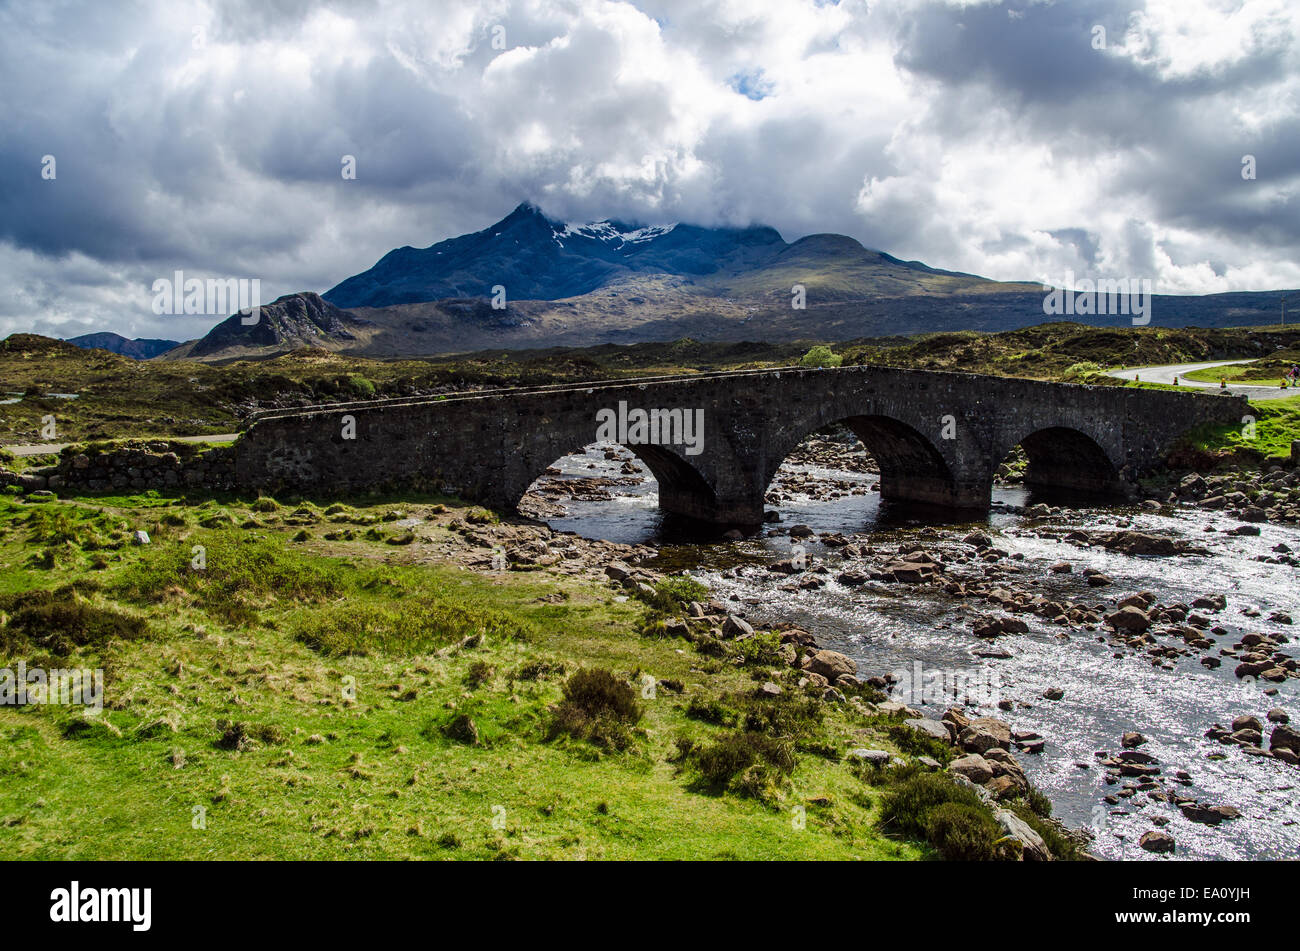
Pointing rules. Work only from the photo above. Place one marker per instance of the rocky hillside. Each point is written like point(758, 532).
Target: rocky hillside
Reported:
point(289, 323)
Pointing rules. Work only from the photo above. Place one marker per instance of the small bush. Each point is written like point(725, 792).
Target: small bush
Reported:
point(462, 729)
point(598, 707)
point(1081, 372)
point(538, 670)
point(710, 710)
point(918, 744)
point(673, 593)
point(481, 516)
point(821, 356)
point(907, 805)
point(761, 650)
point(479, 673)
point(1060, 845)
point(750, 764)
point(962, 833)
point(360, 386)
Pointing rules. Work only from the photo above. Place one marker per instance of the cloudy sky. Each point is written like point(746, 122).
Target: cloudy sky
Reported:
point(991, 137)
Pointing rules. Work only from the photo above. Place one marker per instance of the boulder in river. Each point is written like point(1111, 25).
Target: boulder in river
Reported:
point(983, 734)
point(1143, 543)
point(1157, 841)
point(1129, 619)
point(1285, 738)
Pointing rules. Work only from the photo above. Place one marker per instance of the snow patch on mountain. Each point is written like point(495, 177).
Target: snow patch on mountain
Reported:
point(611, 232)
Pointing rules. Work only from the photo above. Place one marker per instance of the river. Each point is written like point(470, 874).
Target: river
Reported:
point(893, 627)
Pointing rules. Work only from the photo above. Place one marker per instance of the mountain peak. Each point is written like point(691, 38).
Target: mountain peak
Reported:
point(525, 210)
point(539, 258)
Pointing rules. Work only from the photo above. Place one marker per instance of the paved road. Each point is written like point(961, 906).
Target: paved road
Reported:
point(1179, 371)
point(43, 447)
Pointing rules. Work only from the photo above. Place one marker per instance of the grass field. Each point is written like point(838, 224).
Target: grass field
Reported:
point(1275, 426)
point(1237, 373)
point(298, 699)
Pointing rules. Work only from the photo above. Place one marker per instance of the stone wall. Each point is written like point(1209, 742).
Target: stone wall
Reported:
point(132, 468)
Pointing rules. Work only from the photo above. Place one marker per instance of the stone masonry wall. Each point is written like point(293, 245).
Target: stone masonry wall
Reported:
point(133, 469)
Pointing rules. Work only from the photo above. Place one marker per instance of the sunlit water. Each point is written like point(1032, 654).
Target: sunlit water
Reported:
point(891, 627)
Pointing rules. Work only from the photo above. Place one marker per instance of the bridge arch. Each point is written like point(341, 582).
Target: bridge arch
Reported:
point(912, 469)
point(1067, 458)
point(683, 490)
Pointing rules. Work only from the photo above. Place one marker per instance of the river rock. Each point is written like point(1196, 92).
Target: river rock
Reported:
point(1157, 841)
point(1285, 738)
point(931, 728)
point(954, 716)
point(1035, 849)
point(874, 757)
point(1247, 722)
point(983, 734)
point(734, 627)
point(1129, 619)
point(974, 767)
point(1141, 543)
point(1207, 815)
point(830, 664)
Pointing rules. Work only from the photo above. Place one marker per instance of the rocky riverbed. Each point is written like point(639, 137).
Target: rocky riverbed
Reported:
point(1138, 658)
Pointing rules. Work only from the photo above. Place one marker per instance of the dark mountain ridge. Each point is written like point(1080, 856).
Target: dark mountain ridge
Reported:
point(141, 348)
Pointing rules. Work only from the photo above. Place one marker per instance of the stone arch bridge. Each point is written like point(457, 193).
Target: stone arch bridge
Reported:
point(938, 437)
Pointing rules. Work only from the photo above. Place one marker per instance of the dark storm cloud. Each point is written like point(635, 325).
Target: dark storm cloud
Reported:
point(988, 137)
point(1186, 153)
